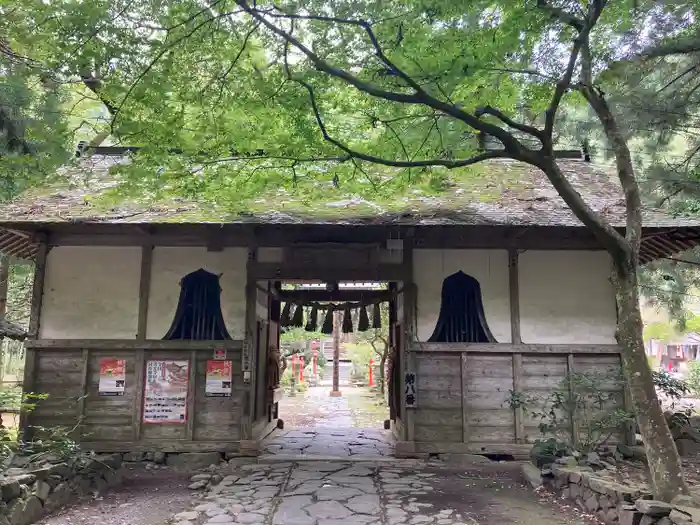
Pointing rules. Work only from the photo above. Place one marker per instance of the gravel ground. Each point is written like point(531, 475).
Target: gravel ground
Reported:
point(148, 497)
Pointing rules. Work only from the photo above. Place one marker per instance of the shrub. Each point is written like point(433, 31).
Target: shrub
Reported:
point(693, 379)
point(589, 402)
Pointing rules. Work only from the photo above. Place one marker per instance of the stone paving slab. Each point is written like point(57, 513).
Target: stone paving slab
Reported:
point(336, 443)
point(349, 493)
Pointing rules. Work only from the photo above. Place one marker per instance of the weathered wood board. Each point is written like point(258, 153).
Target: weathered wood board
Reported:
point(468, 397)
point(70, 378)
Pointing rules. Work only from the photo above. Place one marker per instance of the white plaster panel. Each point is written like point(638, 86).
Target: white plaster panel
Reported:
point(171, 264)
point(566, 297)
point(489, 267)
point(91, 292)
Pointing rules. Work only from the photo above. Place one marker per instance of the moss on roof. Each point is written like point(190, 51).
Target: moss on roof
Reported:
point(498, 192)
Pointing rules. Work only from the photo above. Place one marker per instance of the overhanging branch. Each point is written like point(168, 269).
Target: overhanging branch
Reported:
point(511, 144)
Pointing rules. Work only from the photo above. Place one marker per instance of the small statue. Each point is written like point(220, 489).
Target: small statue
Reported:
point(273, 368)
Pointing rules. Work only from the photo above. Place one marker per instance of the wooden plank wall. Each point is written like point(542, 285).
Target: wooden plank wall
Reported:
point(70, 378)
point(463, 397)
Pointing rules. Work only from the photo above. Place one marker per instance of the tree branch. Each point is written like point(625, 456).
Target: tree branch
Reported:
point(530, 130)
point(677, 47)
point(511, 144)
point(583, 27)
point(561, 15)
point(387, 162)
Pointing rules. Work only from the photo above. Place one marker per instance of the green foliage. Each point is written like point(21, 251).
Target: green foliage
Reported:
point(360, 354)
point(247, 98)
point(549, 447)
point(587, 402)
point(693, 378)
point(670, 386)
point(660, 332)
point(55, 442)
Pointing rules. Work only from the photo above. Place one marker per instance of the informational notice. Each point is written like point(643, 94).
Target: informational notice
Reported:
point(220, 354)
point(219, 377)
point(112, 377)
point(165, 391)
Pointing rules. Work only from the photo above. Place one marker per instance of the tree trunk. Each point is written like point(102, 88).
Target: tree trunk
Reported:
point(664, 462)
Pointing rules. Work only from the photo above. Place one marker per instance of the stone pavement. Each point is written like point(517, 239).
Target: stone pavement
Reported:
point(339, 443)
point(344, 493)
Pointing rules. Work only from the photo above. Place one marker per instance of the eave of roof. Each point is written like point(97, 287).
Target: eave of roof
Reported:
point(520, 196)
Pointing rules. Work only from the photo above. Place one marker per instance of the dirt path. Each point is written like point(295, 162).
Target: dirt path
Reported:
point(146, 498)
point(320, 493)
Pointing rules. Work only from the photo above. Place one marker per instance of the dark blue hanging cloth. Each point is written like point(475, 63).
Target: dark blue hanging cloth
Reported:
point(198, 316)
point(461, 318)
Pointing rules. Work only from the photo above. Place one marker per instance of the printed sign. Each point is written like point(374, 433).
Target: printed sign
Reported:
point(220, 354)
point(165, 391)
point(112, 377)
point(219, 377)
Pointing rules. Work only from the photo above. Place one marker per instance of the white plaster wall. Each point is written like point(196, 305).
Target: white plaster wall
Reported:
point(566, 297)
point(489, 267)
point(170, 264)
point(91, 293)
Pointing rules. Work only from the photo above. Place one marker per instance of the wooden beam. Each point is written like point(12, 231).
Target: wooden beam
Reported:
point(131, 344)
point(505, 348)
point(281, 271)
point(219, 236)
point(161, 445)
point(144, 290)
point(513, 284)
point(31, 357)
point(335, 296)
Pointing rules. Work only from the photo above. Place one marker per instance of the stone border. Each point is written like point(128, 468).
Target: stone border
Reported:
point(31, 492)
point(611, 502)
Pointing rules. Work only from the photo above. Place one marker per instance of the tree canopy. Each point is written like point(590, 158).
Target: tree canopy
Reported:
point(312, 95)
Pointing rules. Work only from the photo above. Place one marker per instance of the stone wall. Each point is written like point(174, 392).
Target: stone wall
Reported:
point(612, 502)
point(29, 492)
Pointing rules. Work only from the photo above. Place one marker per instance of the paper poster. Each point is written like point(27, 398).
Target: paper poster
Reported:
point(220, 354)
point(112, 377)
point(165, 391)
point(219, 377)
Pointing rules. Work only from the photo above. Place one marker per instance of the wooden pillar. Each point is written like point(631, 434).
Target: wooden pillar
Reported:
point(514, 288)
point(4, 282)
point(574, 420)
point(31, 355)
point(141, 334)
point(465, 405)
point(191, 396)
point(248, 360)
point(408, 361)
point(335, 391)
point(84, 381)
point(144, 290)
